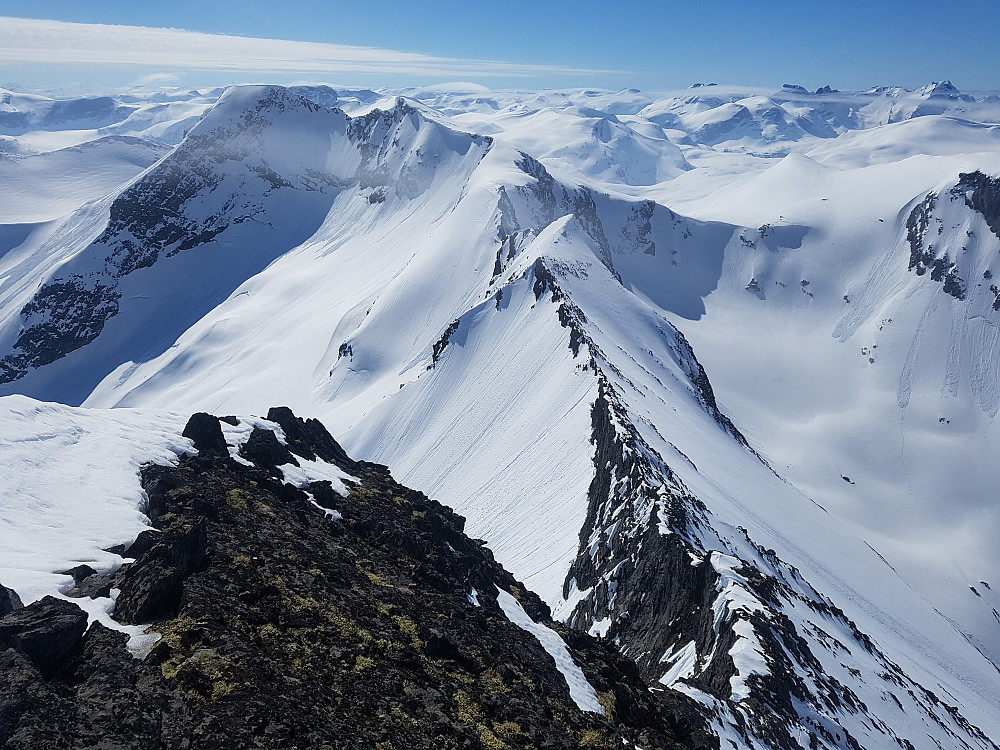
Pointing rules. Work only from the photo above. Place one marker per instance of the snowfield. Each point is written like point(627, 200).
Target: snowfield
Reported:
point(70, 490)
point(759, 326)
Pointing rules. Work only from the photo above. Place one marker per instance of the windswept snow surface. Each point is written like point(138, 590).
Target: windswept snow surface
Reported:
point(874, 391)
point(58, 153)
point(453, 304)
point(42, 187)
point(70, 489)
point(682, 664)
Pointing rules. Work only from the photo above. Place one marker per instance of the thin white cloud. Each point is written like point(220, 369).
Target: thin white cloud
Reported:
point(36, 41)
point(156, 79)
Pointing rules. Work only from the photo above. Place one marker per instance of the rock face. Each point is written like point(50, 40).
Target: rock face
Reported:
point(981, 193)
point(282, 627)
point(309, 438)
point(46, 632)
point(9, 600)
point(940, 232)
point(99, 695)
point(649, 576)
point(205, 432)
point(151, 587)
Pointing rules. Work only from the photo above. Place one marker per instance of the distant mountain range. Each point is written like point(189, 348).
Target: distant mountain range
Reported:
point(714, 373)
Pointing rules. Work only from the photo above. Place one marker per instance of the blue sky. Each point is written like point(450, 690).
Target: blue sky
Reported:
point(539, 44)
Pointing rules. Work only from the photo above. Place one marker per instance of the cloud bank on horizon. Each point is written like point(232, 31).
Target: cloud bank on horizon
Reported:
point(37, 41)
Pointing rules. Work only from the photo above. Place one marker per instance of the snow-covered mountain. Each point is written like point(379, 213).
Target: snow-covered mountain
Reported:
point(712, 373)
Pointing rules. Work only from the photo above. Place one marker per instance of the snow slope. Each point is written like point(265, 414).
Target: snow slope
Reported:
point(70, 490)
point(873, 392)
point(46, 186)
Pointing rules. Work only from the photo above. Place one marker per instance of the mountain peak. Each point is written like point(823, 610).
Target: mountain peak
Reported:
point(939, 88)
point(249, 105)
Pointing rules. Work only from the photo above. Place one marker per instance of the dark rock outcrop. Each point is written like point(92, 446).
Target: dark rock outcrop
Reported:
point(309, 438)
point(151, 587)
point(282, 627)
point(263, 448)
point(46, 632)
point(98, 697)
point(62, 317)
point(80, 573)
point(924, 257)
point(981, 193)
point(88, 582)
point(9, 600)
point(206, 432)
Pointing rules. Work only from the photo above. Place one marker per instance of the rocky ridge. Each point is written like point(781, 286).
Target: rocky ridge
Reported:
point(724, 620)
point(702, 607)
point(304, 618)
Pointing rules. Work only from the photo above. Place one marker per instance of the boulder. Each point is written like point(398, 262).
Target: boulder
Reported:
point(151, 587)
point(309, 438)
point(263, 448)
point(206, 432)
point(9, 600)
point(47, 632)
